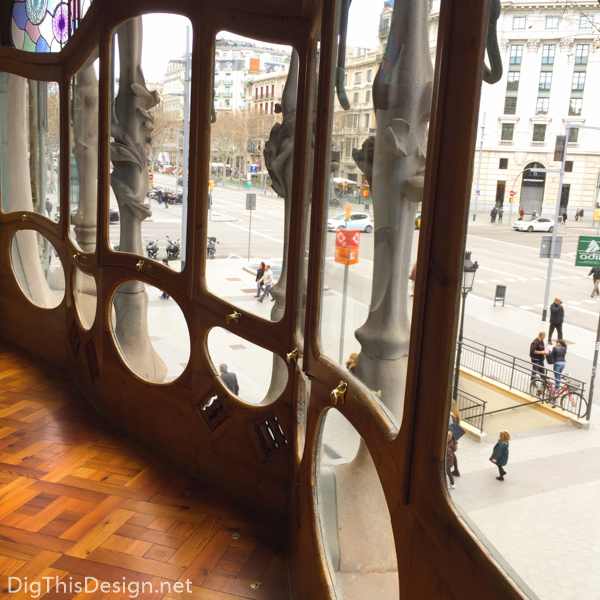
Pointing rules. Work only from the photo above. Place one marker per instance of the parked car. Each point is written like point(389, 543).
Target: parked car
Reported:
point(534, 224)
point(113, 216)
point(356, 222)
point(418, 221)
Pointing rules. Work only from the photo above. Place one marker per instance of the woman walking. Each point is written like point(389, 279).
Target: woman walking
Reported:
point(450, 458)
point(559, 353)
point(259, 274)
point(500, 453)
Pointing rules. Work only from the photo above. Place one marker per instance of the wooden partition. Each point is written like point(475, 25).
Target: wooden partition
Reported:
point(438, 556)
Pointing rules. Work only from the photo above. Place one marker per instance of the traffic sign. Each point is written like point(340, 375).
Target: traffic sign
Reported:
point(588, 251)
point(347, 244)
point(512, 193)
point(547, 243)
point(477, 192)
point(250, 201)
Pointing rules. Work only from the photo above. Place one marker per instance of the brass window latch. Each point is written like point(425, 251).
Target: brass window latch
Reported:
point(25, 217)
point(140, 265)
point(292, 356)
point(234, 317)
point(339, 393)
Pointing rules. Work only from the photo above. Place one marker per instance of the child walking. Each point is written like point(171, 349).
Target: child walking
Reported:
point(500, 453)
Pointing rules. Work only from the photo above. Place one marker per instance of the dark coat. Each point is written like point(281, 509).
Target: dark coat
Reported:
point(557, 313)
point(595, 272)
point(230, 380)
point(450, 452)
point(559, 354)
point(259, 273)
point(500, 453)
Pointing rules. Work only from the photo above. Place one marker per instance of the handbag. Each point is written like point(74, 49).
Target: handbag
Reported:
point(550, 358)
point(457, 430)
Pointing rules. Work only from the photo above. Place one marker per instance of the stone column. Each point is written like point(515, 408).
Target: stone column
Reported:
point(130, 182)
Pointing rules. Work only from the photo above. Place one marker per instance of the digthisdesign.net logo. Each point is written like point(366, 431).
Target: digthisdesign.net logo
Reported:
point(46, 585)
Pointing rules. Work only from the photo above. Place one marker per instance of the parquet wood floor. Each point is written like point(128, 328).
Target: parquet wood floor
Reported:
point(79, 499)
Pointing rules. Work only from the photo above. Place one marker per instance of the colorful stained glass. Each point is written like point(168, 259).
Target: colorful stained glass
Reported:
point(45, 25)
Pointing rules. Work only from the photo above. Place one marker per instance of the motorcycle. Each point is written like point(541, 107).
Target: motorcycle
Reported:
point(210, 248)
point(152, 249)
point(173, 249)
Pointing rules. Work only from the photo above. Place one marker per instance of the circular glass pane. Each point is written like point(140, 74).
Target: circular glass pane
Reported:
point(151, 332)
point(37, 268)
point(252, 373)
point(86, 297)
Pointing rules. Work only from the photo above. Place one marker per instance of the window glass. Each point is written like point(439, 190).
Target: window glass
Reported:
point(353, 513)
point(575, 106)
point(539, 133)
point(518, 22)
point(29, 172)
point(548, 52)
point(253, 374)
point(37, 268)
point(573, 135)
point(503, 163)
point(152, 202)
point(83, 189)
point(510, 105)
point(581, 54)
point(585, 22)
point(512, 84)
point(578, 81)
point(516, 53)
point(552, 22)
point(545, 80)
point(508, 130)
point(156, 347)
point(86, 297)
point(250, 191)
point(541, 107)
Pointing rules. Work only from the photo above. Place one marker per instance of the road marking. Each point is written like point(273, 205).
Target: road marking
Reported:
point(590, 301)
point(572, 302)
point(583, 310)
point(481, 281)
point(255, 233)
point(496, 280)
point(540, 305)
point(512, 280)
point(500, 272)
point(537, 279)
point(526, 307)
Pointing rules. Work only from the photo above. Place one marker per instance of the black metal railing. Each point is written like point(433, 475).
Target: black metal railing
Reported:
point(518, 374)
point(472, 409)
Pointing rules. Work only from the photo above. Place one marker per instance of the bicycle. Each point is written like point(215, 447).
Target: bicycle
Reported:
point(569, 397)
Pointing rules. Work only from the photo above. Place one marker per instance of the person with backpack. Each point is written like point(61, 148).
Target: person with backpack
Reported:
point(557, 316)
point(558, 355)
point(537, 352)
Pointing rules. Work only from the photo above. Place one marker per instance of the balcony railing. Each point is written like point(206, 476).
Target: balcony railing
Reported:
point(472, 409)
point(506, 143)
point(537, 144)
point(573, 144)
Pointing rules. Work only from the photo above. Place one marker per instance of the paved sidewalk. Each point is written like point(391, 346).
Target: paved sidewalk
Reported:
point(543, 519)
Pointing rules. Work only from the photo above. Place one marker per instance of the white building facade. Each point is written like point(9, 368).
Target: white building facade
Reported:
point(551, 77)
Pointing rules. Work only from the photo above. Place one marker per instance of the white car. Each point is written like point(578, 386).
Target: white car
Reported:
point(356, 222)
point(534, 224)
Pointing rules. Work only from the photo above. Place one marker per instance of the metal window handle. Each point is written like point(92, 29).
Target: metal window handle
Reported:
point(339, 393)
point(76, 256)
point(292, 356)
point(25, 217)
point(140, 265)
point(235, 316)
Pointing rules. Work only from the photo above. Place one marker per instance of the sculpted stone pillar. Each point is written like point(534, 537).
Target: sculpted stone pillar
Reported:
point(130, 182)
point(279, 159)
point(394, 163)
point(85, 150)
point(25, 249)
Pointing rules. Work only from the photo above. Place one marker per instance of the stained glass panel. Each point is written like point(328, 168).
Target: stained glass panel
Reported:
point(45, 25)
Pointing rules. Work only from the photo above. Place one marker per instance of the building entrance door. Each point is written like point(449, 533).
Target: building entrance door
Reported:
point(532, 189)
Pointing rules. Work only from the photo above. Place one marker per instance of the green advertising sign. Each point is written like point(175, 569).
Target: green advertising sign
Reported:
point(588, 252)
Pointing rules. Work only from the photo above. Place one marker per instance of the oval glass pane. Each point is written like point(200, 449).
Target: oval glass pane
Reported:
point(37, 268)
point(355, 520)
point(86, 297)
point(252, 373)
point(151, 332)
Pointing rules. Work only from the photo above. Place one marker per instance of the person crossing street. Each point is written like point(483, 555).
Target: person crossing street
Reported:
point(557, 316)
point(596, 273)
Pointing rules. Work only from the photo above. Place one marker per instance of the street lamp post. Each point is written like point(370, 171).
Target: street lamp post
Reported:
point(469, 270)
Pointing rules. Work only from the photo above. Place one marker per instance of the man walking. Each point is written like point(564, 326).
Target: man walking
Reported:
point(49, 207)
point(229, 379)
point(500, 215)
point(159, 196)
point(596, 273)
point(537, 352)
point(164, 295)
point(521, 213)
point(493, 214)
point(267, 281)
point(557, 316)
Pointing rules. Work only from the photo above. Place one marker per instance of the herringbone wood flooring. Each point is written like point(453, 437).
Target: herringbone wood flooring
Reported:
point(79, 499)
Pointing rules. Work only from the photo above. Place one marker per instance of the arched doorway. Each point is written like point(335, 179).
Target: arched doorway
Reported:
point(532, 189)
